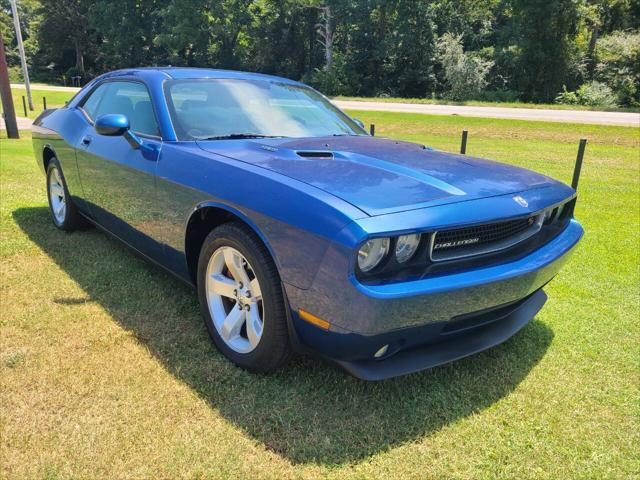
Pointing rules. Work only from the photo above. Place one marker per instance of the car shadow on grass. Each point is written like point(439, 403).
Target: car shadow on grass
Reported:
point(308, 412)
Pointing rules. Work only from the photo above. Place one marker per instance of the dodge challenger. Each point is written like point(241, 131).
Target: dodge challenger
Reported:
point(300, 231)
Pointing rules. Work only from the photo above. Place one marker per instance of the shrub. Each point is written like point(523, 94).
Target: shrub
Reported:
point(594, 94)
point(567, 98)
point(330, 82)
point(465, 73)
point(15, 74)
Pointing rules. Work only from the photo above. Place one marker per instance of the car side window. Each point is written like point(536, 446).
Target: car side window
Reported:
point(126, 98)
point(91, 104)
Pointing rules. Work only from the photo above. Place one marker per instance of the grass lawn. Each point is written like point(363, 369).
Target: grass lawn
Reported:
point(478, 103)
point(54, 99)
point(106, 369)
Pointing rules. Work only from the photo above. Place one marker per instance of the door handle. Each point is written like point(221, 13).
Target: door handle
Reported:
point(86, 140)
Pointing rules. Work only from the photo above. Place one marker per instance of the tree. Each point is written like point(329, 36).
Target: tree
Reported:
point(65, 28)
point(126, 32)
point(544, 31)
point(465, 74)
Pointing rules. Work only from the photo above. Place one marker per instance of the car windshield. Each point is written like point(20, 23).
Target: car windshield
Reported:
point(220, 109)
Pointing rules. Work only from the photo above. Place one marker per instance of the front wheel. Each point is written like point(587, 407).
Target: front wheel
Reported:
point(241, 299)
point(63, 211)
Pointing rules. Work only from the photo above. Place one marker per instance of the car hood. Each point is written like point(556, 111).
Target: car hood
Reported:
point(379, 175)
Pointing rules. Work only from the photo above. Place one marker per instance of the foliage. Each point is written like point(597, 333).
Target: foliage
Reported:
point(618, 65)
point(544, 31)
point(593, 94)
point(596, 94)
point(465, 74)
point(567, 98)
point(508, 49)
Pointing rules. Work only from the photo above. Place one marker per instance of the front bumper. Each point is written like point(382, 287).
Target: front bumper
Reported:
point(496, 301)
point(459, 345)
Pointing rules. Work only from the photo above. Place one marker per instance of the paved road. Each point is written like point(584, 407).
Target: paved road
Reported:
point(44, 86)
point(566, 116)
point(23, 123)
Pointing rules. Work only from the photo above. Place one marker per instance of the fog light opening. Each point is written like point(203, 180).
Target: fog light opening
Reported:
point(382, 351)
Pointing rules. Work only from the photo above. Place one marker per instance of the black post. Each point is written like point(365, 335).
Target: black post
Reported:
point(463, 145)
point(44, 102)
point(24, 105)
point(578, 167)
point(372, 129)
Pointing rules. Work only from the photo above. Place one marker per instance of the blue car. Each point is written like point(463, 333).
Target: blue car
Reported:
point(299, 230)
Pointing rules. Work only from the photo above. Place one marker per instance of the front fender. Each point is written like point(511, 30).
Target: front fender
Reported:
point(297, 222)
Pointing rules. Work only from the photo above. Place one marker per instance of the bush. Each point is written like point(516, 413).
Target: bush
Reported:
point(15, 75)
point(465, 73)
point(593, 94)
point(330, 82)
point(567, 98)
point(596, 94)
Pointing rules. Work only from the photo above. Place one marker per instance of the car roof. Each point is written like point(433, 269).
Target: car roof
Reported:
point(194, 73)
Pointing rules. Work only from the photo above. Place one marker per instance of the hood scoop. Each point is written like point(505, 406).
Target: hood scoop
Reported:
point(324, 155)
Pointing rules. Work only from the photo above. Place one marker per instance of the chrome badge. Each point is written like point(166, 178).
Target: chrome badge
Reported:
point(521, 201)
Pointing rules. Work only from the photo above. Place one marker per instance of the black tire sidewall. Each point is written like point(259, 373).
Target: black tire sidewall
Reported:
point(273, 348)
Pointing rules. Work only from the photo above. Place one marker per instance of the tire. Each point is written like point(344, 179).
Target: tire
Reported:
point(223, 302)
point(63, 211)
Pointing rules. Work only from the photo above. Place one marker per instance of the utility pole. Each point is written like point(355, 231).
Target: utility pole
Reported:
point(23, 59)
point(5, 92)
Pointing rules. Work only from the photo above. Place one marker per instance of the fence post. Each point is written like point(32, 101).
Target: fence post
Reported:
point(44, 102)
point(372, 129)
point(463, 145)
point(578, 167)
point(24, 106)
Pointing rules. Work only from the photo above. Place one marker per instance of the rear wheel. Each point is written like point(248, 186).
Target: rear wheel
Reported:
point(242, 300)
point(63, 211)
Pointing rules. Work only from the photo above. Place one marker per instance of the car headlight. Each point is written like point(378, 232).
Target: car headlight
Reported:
point(371, 253)
point(406, 247)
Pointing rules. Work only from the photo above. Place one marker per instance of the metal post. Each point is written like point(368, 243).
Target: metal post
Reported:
point(578, 167)
point(24, 105)
point(372, 129)
point(23, 58)
point(463, 145)
point(44, 103)
point(9, 114)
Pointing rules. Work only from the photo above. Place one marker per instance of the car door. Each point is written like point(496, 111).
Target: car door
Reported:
point(118, 180)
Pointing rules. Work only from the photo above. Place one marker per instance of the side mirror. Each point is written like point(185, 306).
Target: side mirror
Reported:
point(112, 125)
point(359, 122)
point(115, 125)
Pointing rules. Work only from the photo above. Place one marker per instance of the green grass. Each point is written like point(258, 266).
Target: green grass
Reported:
point(54, 99)
point(106, 370)
point(478, 103)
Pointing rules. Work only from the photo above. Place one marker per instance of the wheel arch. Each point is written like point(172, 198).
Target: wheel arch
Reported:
point(48, 153)
point(203, 219)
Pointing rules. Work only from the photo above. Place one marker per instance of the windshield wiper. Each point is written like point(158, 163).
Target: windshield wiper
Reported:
point(238, 136)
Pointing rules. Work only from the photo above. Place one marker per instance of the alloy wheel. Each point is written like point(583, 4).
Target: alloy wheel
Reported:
point(57, 196)
point(234, 299)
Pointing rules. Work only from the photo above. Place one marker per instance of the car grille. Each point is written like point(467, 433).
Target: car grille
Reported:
point(481, 239)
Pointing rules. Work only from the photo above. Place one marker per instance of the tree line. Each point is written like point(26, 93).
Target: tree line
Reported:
point(569, 51)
